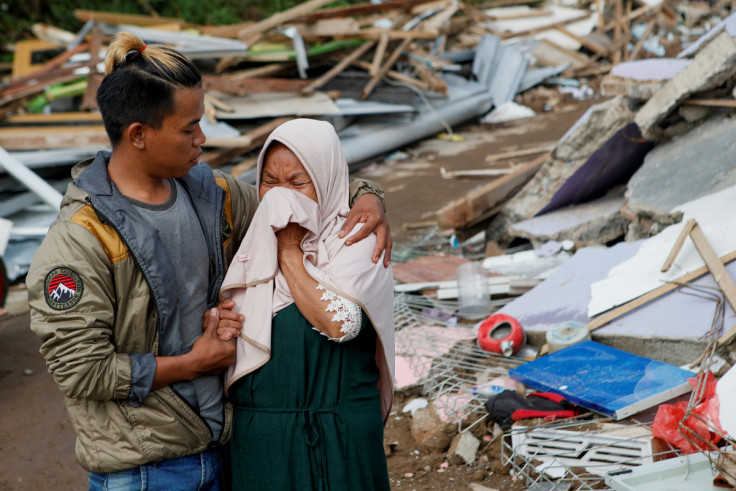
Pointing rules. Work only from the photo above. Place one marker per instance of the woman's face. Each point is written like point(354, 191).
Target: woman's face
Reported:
point(281, 168)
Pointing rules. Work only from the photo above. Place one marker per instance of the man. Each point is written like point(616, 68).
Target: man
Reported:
point(119, 288)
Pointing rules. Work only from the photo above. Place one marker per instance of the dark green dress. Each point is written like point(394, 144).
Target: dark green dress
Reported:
point(310, 418)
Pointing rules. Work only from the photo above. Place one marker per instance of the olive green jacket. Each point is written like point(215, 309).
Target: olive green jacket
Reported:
point(97, 297)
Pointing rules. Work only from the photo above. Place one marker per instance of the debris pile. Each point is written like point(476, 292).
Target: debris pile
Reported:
point(608, 233)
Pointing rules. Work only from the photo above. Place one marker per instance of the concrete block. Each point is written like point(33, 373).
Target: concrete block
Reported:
point(429, 431)
point(593, 156)
point(641, 79)
point(463, 449)
point(668, 178)
point(712, 66)
point(596, 222)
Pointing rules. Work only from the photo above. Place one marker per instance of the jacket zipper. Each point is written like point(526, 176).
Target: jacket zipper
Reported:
point(106, 221)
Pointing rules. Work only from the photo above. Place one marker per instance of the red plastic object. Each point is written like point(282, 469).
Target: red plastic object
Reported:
point(502, 334)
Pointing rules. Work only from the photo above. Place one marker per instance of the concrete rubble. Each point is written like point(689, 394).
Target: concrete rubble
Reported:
point(576, 229)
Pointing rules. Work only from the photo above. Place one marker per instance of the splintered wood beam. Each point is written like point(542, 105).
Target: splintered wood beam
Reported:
point(129, 19)
point(249, 141)
point(394, 75)
point(488, 197)
point(689, 225)
point(281, 18)
point(359, 9)
point(379, 53)
point(338, 68)
point(43, 137)
point(384, 69)
point(252, 85)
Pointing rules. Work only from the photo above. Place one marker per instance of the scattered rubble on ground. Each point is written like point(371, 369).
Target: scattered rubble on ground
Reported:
point(623, 225)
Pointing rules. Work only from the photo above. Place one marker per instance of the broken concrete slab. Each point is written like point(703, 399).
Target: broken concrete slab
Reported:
point(597, 153)
point(712, 66)
point(595, 222)
point(668, 177)
point(641, 79)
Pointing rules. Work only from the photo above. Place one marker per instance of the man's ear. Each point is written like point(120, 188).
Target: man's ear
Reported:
point(134, 133)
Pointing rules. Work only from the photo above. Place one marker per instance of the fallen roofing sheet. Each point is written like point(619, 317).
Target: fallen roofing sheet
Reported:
point(641, 273)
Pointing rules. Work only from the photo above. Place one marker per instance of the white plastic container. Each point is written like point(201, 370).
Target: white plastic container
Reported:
point(474, 298)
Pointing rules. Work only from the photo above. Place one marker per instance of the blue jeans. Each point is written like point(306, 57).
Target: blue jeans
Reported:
point(193, 472)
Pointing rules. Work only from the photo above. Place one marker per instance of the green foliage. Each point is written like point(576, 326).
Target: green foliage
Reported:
point(17, 16)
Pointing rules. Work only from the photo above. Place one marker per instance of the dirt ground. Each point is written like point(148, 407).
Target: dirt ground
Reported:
point(36, 439)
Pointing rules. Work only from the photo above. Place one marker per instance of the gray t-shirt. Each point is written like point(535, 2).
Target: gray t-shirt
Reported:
point(182, 238)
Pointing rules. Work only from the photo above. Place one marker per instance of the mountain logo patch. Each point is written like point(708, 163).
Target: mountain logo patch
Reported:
point(63, 288)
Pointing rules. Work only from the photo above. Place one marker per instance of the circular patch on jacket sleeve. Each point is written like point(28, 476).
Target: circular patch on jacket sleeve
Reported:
point(63, 288)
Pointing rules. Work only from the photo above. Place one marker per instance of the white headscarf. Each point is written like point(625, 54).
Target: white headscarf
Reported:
point(254, 280)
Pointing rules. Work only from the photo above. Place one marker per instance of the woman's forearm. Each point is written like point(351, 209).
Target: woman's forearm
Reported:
point(306, 295)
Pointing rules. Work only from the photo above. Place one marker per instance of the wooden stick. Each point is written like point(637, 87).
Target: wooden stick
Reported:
point(338, 68)
point(131, 19)
point(358, 9)
point(46, 68)
point(614, 314)
point(379, 53)
point(640, 44)
point(281, 18)
point(520, 153)
point(616, 58)
point(395, 75)
point(384, 69)
point(537, 30)
point(251, 139)
point(678, 245)
point(711, 102)
point(591, 45)
point(633, 15)
point(451, 174)
point(521, 15)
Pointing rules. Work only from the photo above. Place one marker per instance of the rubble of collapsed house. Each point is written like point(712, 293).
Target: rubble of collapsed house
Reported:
point(617, 305)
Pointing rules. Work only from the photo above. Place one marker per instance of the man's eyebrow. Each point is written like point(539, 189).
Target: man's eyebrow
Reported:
point(194, 121)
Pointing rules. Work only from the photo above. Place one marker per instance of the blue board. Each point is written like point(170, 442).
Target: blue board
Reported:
point(604, 379)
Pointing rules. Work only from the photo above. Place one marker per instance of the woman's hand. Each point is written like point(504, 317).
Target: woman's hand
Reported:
point(231, 323)
point(290, 237)
point(368, 209)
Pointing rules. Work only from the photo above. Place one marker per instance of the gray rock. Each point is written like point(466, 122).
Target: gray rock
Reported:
point(463, 449)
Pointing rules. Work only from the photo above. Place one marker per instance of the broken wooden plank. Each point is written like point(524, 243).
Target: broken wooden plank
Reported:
point(127, 19)
point(536, 30)
point(614, 314)
point(281, 18)
point(379, 53)
point(710, 102)
point(523, 152)
point(359, 9)
point(23, 56)
point(678, 245)
point(587, 43)
point(255, 138)
point(487, 197)
point(244, 166)
point(337, 69)
point(243, 86)
point(640, 44)
point(43, 137)
point(94, 79)
point(384, 69)
point(46, 68)
point(395, 75)
point(448, 174)
point(54, 118)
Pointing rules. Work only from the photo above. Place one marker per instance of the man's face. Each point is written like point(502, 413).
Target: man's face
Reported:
point(175, 147)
